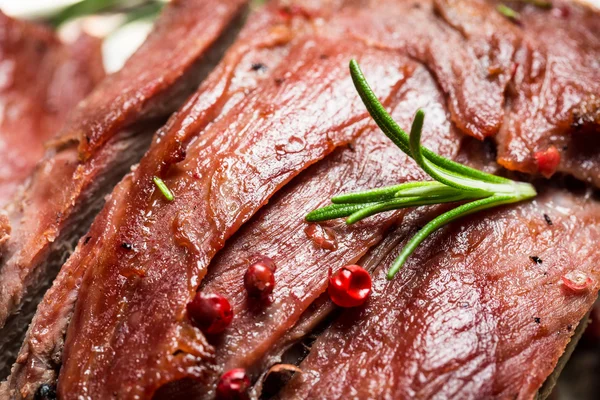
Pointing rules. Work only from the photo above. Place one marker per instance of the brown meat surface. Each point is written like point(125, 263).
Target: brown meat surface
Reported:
point(555, 101)
point(40, 356)
point(68, 187)
point(472, 315)
point(279, 102)
point(532, 85)
point(41, 80)
point(285, 125)
point(303, 252)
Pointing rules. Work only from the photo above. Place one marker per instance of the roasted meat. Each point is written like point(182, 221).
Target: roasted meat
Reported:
point(207, 160)
point(483, 309)
point(304, 252)
point(480, 311)
point(102, 138)
point(42, 80)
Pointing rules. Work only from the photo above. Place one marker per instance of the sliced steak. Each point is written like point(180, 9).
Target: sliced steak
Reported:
point(534, 85)
point(68, 187)
point(479, 311)
point(305, 252)
point(42, 80)
point(287, 123)
point(554, 116)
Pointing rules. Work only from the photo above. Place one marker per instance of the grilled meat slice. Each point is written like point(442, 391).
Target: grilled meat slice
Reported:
point(554, 107)
point(42, 80)
point(305, 252)
point(481, 309)
point(68, 187)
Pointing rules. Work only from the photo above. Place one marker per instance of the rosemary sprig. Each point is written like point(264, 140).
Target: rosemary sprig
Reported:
point(452, 181)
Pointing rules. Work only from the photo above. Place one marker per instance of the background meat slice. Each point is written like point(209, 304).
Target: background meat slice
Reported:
point(480, 310)
point(555, 103)
point(119, 118)
point(467, 45)
point(41, 80)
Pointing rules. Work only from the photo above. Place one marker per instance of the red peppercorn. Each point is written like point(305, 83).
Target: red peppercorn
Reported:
point(259, 279)
point(350, 286)
point(210, 312)
point(576, 281)
point(233, 385)
point(547, 161)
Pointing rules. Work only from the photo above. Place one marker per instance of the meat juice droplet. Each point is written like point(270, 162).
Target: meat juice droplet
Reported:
point(294, 144)
point(322, 237)
point(576, 281)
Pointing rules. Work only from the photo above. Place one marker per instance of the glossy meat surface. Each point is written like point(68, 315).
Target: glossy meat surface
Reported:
point(532, 85)
point(157, 76)
point(556, 97)
point(66, 191)
point(304, 252)
point(285, 125)
point(472, 315)
point(41, 80)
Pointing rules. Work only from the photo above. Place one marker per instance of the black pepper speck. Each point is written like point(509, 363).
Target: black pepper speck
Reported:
point(126, 246)
point(536, 259)
point(258, 67)
point(537, 320)
point(45, 392)
point(548, 220)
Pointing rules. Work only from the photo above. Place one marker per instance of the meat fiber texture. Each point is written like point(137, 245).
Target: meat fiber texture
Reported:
point(42, 79)
point(532, 86)
point(281, 101)
point(240, 126)
point(106, 134)
point(303, 251)
point(479, 311)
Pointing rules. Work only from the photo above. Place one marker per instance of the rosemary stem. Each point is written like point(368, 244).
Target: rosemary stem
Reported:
point(444, 219)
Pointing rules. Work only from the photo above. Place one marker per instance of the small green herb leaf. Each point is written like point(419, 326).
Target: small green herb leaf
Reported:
point(508, 12)
point(160, 184)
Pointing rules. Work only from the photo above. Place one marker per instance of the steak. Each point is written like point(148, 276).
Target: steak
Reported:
point(554, 105)
point(480, 310)
point(208, 163)
point(42, 80)
point(304, 253)
point(101, 139)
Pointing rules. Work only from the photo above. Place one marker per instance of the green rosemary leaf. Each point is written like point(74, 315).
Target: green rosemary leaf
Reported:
point(376, 110)
point(508, 12)
point(160, 184)
point(446, 218)
point(85, 7)
point(453, 181)
point(400, 138)
point(404, 202)
point(539, 3)
point(334, 211)
point(389, 192)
